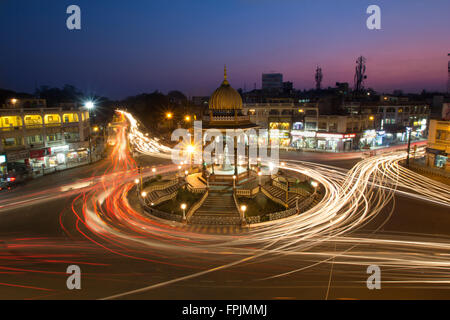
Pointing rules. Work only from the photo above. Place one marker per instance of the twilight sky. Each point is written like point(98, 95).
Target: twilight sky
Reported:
point(129, 47)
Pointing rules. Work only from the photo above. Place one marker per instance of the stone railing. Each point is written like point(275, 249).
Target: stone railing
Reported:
point(195, 190)
point(307, 202)
point(165, 197)
point(282, 214)
point(299, 191)
point(273, 198)
point(212, 220)
point(272, 216)
point(247, 192)
point(254, 219)
point(280, 185)
point(163, 186)
point(226, 118)
point(243, 192)
point(197, 205)
point(162, 214)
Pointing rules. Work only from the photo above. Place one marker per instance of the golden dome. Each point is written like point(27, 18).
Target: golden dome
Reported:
point(225, 97)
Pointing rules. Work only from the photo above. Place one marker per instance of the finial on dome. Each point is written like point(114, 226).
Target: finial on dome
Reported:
point(225, 81)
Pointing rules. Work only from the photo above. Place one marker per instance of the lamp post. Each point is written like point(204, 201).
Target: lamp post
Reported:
point(144, 195)
point(259, 179)
point(243, 209)
point(89, 105)
point(183, 207)
point(314, 184)
point(191, 149)
point(408, 129)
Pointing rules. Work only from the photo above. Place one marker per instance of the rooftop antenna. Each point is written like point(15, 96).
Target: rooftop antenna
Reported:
point(318, 77)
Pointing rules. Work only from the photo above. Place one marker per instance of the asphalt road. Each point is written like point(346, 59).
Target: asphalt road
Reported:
point(39, 239)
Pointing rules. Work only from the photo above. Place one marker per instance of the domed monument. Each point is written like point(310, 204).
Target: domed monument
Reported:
point(224, 113)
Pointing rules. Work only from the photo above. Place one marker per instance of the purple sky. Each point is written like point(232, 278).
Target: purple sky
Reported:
point(130, 47)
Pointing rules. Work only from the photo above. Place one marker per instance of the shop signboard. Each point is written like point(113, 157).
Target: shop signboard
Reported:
point(40, 153)
point(329, 135)
point(306, 134)
point(59, 149)
point(17, 155)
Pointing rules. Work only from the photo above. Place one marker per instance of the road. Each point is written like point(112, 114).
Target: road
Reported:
point(82, 217)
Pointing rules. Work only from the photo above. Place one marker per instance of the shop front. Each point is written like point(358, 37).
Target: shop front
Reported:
point(335, 142)
point(326, 141)
point(303, 139)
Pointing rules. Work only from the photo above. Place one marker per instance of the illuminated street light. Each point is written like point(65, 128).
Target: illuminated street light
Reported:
point(186, 172)
point(13, 100)
point(371, 118)
point(153, 170)
point(89, 105)
point(183, 207)
point(243, 208)
point(169, 115)
point(136, 181)
point(143, 194)
point(187, 118)
point(190, 148)
point(314, 184)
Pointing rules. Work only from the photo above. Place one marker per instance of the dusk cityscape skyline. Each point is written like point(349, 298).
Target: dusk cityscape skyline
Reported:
point(218, 158)
point(124, 50)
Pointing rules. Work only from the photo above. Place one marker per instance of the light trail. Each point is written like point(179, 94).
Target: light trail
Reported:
point(350, 201)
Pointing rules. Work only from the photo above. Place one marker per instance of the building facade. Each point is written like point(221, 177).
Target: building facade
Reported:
point(301, 126)
point(438, 148)
point(35, 139)
point(272, 81)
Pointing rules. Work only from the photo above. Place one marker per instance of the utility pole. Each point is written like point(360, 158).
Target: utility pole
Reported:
point(409, 129)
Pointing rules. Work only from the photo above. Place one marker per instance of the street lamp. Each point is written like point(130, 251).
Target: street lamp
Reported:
point(90, 105)
point(136, 181)
point(183, 207)
point(190, 149)
point(187, 118)
point(169, 115)
point(153, 170)
point(234, 182)
point(314, 184)
point(143, 194)
point(243, 209)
